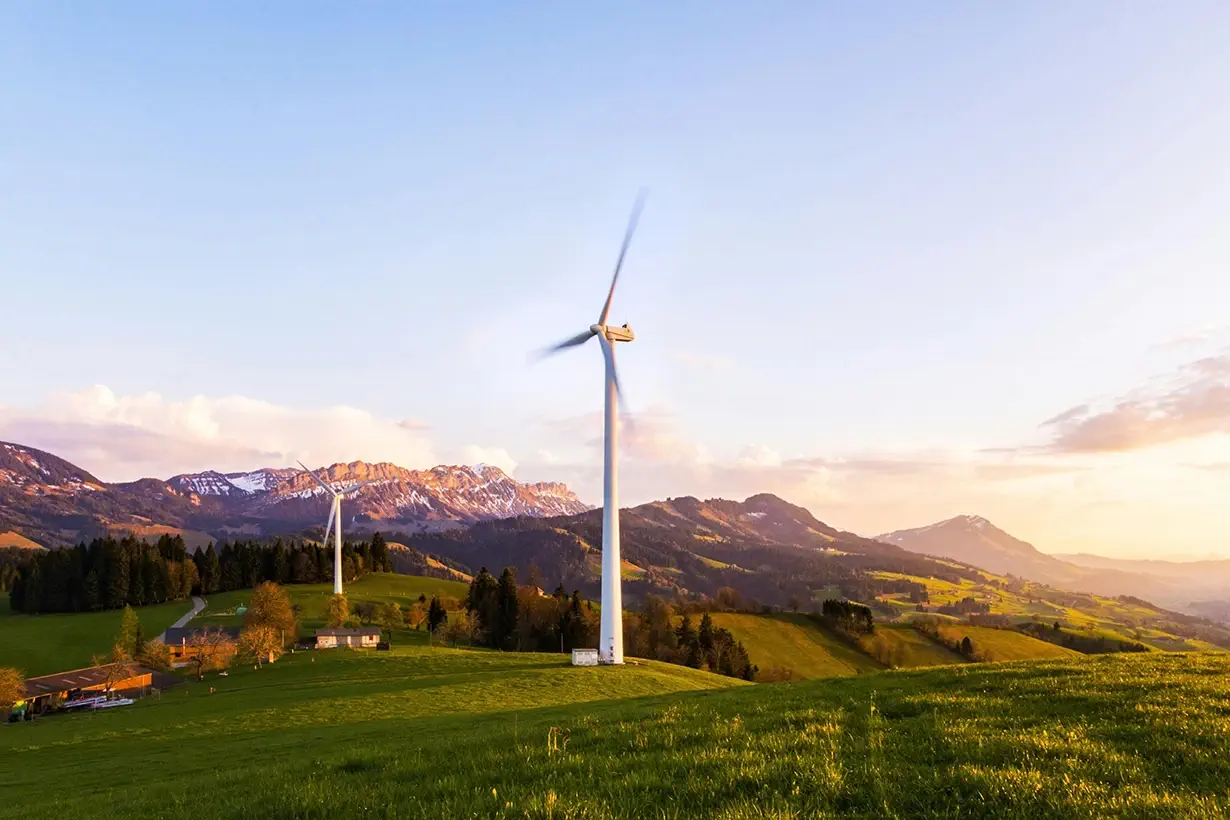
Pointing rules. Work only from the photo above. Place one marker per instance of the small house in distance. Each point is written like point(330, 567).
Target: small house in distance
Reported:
point(179, 639)
point(365, 638)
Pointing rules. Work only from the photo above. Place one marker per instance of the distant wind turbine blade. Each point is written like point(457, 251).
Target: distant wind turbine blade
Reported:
point(623, 251)
point(316, 478)
point(329, 526)
point(357, 486)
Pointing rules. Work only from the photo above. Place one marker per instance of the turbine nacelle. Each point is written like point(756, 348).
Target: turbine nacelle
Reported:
point(613, 334)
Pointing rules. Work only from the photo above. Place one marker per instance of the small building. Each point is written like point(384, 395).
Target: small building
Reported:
point(366, 637)
point(585, 657)
point(65, 688)
point(179, 639)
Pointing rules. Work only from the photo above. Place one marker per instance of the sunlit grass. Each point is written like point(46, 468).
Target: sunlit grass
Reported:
point(449, 734)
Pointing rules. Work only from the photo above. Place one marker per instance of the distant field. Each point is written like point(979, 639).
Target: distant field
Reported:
point(43, 644)
point(449, 733)
point(794, 642)
point(16, 539)
point(380, 587)
point(908, 648)
point(1004, 644)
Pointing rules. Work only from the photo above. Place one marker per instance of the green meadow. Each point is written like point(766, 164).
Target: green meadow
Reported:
point(444, 733)
point(45, 644)
point(313, 599)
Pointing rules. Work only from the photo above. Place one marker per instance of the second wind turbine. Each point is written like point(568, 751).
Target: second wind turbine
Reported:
point(335, 512)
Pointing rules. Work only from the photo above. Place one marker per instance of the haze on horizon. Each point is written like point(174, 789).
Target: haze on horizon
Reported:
point(893, 267)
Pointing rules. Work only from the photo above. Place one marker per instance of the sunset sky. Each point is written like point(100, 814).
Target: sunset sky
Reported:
point(959, 258)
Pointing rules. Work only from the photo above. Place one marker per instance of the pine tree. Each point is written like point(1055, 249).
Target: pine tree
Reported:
point(211, 577)
point(506, 617)
point(435, 614)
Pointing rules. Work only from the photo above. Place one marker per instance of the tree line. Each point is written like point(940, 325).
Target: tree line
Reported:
point(111, 573)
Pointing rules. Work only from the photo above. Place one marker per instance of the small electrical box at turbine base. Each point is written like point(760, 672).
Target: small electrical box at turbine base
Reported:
point(585, 657)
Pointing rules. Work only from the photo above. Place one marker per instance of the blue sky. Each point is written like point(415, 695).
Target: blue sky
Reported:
point(896, 234)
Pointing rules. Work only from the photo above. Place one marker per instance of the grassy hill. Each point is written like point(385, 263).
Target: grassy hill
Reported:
point(794, 642)
point(1121, 619)
point(450, 733)
point(905, 648)
point(43, 644)
point(16, 539)
point(380, 588)
point(1002, 644)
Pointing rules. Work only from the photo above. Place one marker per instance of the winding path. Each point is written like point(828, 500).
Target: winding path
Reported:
point(197, 605)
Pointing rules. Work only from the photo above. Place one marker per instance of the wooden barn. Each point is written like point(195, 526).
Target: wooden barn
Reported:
point(366, 637)
point(65, 688)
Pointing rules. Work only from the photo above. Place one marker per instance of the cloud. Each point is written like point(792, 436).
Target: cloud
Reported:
point(1193, 339)
point(122, 438)
point(1194, 402)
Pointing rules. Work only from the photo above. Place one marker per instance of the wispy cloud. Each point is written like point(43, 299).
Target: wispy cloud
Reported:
point(1194, 402)
point(122, 438)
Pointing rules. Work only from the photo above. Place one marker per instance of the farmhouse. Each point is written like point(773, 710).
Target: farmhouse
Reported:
point(65, 687)
point(179, 639)
point(366, 637)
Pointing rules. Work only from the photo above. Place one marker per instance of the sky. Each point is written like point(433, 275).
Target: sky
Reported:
point(898, 261)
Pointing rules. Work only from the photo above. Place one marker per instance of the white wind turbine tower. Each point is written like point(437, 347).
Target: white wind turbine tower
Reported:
point(335, 512)
point(611, 633)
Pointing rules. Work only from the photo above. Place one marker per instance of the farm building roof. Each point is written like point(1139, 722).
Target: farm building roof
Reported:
point(341, 633)
point(75, 679)
point(182, 634)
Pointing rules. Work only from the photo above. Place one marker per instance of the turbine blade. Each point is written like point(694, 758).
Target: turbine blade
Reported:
point(329, 526)
point(619, 395)
point(608, 351)
point(623, 251)
point(317, 478)
point(579, 339)
point(356, 487)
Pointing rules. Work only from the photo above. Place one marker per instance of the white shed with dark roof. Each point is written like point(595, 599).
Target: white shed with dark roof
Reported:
point(363, 638)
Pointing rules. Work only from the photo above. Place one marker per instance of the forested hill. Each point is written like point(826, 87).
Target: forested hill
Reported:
point(764, 547)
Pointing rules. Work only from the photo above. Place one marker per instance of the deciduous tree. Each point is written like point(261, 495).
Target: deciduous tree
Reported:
point(212, 650)
point(270, 607)
point(338, 611)
point(260, 642)
point(12, 688)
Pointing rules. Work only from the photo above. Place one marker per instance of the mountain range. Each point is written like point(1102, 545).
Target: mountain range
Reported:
point(47, 499)
point(974, 540)
point(470, 516)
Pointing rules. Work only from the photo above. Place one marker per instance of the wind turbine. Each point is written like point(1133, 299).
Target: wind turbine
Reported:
point(611, 632)
point(335, 511)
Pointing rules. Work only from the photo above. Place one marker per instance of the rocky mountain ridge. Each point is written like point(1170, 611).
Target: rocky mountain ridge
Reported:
point(54, 502)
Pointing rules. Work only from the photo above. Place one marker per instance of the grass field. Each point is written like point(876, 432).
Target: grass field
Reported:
point(451, 733)
point(313, 599)
point(908, 648)
point(794, 642)
point(1003, 644)
point(44, 644)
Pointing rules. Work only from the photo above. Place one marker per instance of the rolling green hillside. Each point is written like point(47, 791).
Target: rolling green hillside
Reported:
point(44, 644)
point(313, 599)
point(794, 642)
point(1003, 644)
point(451, 733)
point(902, 647)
